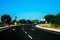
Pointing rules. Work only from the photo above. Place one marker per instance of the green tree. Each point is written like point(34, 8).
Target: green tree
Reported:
point(35, 21)
point(22, 21)
point(28, 22)
point(49, 18)
point(54, 19)
point(5, 19)
point(14, 21)
point(57, 19)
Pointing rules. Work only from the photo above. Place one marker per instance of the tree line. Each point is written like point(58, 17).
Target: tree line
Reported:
point(53, 19)
point(6, 19)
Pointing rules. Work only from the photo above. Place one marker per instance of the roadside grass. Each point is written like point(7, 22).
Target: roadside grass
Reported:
point(52, 26)
point(55, 27)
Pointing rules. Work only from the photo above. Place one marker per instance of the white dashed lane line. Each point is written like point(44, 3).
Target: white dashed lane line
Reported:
point(2, 29)
point(13, 29)
point(30, 37)
point(27, 34)
point(32, 29)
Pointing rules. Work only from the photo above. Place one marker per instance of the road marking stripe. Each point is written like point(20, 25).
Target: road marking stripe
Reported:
point(2, 29)
point(27, 34)
point(24, 30)
point(30, 37)
point(13, 29)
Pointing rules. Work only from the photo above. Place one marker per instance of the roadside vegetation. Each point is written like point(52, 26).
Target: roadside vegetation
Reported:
point(7, 20)
point(53, 20)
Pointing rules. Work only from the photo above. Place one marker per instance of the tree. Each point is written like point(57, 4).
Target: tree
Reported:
point(28, 22)
point(14, 21)
point(5, 19)
point(49, 18)
point(35, 21)
point(57, 19)
point(22, 21)
point(54, 19)
point(15, 17)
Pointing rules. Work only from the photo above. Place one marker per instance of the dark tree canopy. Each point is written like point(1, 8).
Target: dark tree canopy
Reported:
point(35, 21)
point(53, 19)
point(6, 19)
point(28, 21)
point(49, 18)
point(57, 19)
point(13, 22)
point(22, 21)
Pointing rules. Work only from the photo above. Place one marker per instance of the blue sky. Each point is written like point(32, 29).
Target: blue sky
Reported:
point(29, 9)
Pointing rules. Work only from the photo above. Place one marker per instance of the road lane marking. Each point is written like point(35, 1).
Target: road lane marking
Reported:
point(27, 34)
point(13, 29)
point(30, 37)
point(32, 29)
point(24, 30)
point(2, 29)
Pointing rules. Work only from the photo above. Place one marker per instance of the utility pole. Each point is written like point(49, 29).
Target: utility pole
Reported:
point(15, 20)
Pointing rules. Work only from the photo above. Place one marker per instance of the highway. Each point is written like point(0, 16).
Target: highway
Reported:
point(27, 32)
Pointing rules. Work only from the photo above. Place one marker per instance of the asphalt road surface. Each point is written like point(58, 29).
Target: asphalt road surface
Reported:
point(27, 32)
